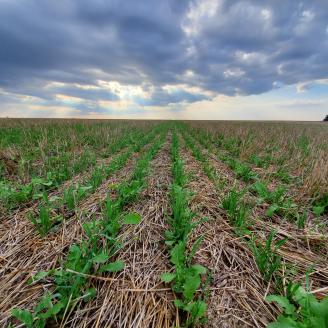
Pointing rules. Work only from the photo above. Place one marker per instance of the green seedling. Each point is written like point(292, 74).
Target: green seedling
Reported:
point(180, 223)
point(278, 200)
point(283, 175)
point(320, 205)
point(207, 167)
point(300, 309)
point(69, 198)
point(304, 145)
point(43, 221)
point(266, 256)
point(301, 220)
point(97, 177)
point(236, 209)
point(186, 278)
point(47, 309)
point(244, 172)
point(258, 161)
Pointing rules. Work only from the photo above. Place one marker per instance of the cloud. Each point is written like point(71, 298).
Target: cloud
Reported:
point(172, 95)
point(304, 86)
point(81, 49)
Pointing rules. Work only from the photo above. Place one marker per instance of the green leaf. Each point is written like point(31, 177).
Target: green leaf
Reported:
point(272, 209)
point(23, 315)
point(190, 286)
point(284, 322)
point(89, 294)
point(178, 254)
point(45, 303)
point(169, 242)
point(199, 269)
point(179, 304)
point(168, 277)
point(54, 199)
point(132, 218)
point(85, 188)
point(112, 267)
point(56, 308)
point(40, 275)
point(283, 302)
point(199, 309)
point(37, 196)
point(47, 183)
point(318, 210)
point(101, 258)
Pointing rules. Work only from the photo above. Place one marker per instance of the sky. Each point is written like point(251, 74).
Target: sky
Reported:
point(164, 59)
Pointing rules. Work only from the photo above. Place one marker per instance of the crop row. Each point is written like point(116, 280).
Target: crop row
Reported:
point(186, 277)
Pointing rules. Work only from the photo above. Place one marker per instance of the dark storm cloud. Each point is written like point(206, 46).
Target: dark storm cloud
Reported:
point(162, 97)
point(229, 47)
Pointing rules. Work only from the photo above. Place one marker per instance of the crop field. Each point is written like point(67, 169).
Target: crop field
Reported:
point(163, 224)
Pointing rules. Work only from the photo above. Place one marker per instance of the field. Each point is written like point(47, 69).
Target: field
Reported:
point(163, 224)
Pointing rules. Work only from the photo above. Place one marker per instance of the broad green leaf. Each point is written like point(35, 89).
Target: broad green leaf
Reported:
point(199, 309)
point(132, 218)
point(318, 210)
point(283, 302)
point(56, 308)
point(112, 267)
point(168, 277)
point(178, 254)
point(199, 269)
point(52, 311)
point(23, 315)
point(100, 258)
point(320, 312)
point(190, 286)
point(188, 307)
point(44, 303)
point(74, 253)
point(284, 322)
point(179, 304)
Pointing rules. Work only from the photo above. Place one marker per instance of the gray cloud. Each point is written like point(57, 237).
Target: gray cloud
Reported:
point(162, 97)
point(229, 47)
